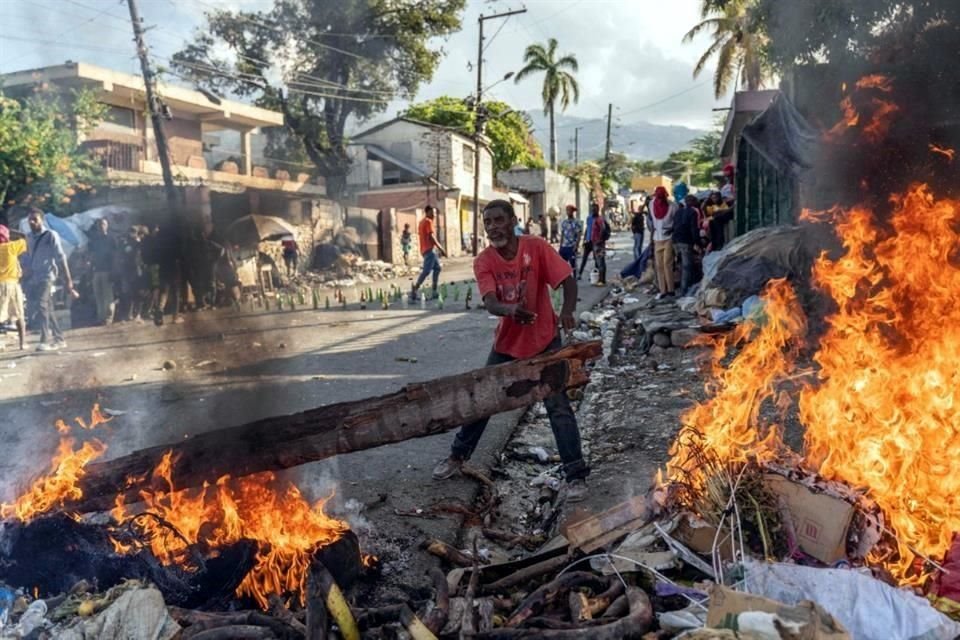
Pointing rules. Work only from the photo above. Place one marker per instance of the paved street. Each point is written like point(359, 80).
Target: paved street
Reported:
point(232, 369)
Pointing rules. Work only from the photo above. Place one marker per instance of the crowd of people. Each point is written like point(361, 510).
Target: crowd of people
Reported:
point(146, 273)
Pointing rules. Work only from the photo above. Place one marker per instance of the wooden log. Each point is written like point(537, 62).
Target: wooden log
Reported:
point(416, 411)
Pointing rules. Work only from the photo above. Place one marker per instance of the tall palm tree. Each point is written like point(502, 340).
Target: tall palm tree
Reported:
point(558, 82)
point(737, 43)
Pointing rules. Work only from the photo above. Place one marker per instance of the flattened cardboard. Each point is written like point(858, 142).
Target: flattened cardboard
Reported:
point(820, 521)
point(726, 605)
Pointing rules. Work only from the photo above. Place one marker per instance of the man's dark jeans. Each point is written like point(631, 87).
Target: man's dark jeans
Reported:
point(570, 255)
point(562, 421)
point(41, 295)
point(686, 266)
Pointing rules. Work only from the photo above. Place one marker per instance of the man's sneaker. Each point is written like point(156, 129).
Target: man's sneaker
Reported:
point(576, 490)
point(60, 344)
point(447, 468)
point(46, 346)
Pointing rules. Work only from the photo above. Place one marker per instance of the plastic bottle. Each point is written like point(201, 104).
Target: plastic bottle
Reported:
point(440, 301)
point(423, 300)
point(469, 297)
point(326, 303)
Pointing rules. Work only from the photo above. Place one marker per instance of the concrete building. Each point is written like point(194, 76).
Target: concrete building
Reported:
point(403, 165)
point(546, 190)
point(212, 188)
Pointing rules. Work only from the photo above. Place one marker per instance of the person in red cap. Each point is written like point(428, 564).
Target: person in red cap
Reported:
point(11, 295)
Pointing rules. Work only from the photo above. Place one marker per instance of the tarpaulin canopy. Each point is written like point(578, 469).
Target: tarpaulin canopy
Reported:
point(253, 229)
point(774, 152)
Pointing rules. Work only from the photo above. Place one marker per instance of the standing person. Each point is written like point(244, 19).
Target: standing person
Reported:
point(291, 255)
point(636, 228)
point(431, 250)
point(131, 277)
point(406, 243)
point(600, 234)
point(588, 231)
point(554, 225)
point(11, 295)
point(170, 271)
point(570, 231)
point(662, 211)
point(686, 236)
point(43, 263)
point(513, 276)
point(680, 191)
point(718, 214)
point(104, 257)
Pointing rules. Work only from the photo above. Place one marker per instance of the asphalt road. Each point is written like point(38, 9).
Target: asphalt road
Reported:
point(231, 369)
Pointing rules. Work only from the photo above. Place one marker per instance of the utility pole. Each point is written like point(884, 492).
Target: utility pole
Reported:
point(576, 163)
point(153, 104)
point(606, 154)
point(479, 120)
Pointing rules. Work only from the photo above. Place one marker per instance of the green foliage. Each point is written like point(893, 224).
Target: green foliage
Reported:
point(738, 44)
point(847, 31)
point(41, 162)
point(696, 164)
point(511, 139)
point(558, 82)
point(590, 175)
point(336, 61)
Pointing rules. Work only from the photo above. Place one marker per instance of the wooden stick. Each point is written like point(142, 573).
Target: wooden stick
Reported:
point(416, 411)
point(436, 619)
point(449, 553)
point(467, 627)
point(525, 575)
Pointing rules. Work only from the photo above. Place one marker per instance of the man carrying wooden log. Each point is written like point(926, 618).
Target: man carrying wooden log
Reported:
point(513, 275)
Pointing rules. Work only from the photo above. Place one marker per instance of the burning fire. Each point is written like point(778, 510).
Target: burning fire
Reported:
point(58, 487)
point(882, 413)
point(882, 110)
point(259, 507)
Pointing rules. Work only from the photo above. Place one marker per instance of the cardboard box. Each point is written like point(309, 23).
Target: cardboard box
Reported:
point(806, 620)
point(819, 521)
point(699, 535)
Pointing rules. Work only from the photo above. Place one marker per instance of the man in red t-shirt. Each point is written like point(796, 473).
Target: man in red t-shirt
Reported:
point(514, 275)
point(431, 250)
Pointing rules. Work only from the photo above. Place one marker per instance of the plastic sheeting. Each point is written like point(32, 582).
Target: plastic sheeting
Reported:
point(868, 608)
point(73, 229)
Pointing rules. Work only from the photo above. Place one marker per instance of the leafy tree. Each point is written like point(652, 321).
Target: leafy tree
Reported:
point(849, 31)
point(738, 44)
point(696, 164)
point(558, 83)
point(41, 162)
point(590, 175)
point(511, 139)
point(322, 63)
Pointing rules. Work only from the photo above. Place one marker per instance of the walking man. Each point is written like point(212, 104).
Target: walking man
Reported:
point(587, 243)
point(570, 231)
point(600, 234)
point(42, 264)
point(431, 250)
point(103, 256)
point(513, 276)
point(11, 296)
point(636, 227)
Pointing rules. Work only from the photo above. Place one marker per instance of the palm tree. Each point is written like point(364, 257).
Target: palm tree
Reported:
point(737, 43)
point(558, 82)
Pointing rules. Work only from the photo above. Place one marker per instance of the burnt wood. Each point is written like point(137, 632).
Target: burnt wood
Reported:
point(416, 411)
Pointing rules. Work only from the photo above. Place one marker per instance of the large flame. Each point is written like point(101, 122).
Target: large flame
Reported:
point(61, 484)
point(870, 95)
point(883, 412)
point(58, 487)
point(259, 507)
point(728, 423)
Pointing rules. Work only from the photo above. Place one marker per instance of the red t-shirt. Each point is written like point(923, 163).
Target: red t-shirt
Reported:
point(523, 280)
point(424, 230)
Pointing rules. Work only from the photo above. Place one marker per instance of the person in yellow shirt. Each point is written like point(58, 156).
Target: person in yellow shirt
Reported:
point(11, 296)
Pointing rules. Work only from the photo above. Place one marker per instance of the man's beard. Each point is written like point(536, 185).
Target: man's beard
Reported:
point(499, 243)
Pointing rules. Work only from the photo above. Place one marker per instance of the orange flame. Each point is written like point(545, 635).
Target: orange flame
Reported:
point(943, 151)
point(258, 507)
point(729, 420)
point(882, 111)
point(883, 412)
point(57, 488)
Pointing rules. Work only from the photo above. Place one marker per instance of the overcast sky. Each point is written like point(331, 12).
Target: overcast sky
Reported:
point(630, 51)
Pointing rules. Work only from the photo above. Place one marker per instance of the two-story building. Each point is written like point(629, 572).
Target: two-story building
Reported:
point(215, 183)
point(405, 165)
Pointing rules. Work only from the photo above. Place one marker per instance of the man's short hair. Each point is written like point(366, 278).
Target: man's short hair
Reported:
point(429, 209)
point(503, 205)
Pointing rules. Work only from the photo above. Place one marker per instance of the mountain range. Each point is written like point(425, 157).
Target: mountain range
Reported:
point(638, 140)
